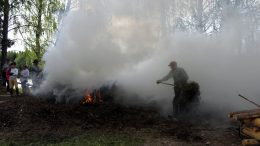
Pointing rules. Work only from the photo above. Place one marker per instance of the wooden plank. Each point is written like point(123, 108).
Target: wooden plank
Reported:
point(251, 115)
point(230, 115)
point(250, 142)
point(251, 132)
point(255, 122)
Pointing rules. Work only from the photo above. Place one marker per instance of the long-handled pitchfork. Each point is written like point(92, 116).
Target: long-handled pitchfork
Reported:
point(167, 84)
point(249, 100)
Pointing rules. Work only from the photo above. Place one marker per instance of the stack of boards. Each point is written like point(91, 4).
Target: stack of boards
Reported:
point(250, 126)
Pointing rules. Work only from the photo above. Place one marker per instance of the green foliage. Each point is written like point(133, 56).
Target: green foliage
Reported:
point(25, 58)
point(39, 19)
point(9, 10)
point(21, 58)
point(11, 55)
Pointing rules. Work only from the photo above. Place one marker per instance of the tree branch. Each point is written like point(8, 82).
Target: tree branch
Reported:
point(24, 38)
point(20, 26)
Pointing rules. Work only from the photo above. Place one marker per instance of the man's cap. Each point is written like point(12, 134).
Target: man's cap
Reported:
point(172, 63)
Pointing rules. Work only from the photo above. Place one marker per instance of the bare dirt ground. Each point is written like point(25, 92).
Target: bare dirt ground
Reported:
point(28, 118)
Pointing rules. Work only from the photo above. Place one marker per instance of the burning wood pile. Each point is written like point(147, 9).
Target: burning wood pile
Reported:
point(92, 97)
point(249, 127)
point(99, 96)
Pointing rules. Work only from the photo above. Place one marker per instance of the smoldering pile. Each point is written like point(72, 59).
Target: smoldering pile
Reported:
point(63, 94)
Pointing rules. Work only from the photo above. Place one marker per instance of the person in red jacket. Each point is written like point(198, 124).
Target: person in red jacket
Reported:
point(7, 75)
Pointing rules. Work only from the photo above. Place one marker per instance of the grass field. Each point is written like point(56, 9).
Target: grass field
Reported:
point(93, 138)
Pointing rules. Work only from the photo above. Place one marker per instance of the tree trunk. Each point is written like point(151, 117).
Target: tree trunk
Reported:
point(163, 19)
point(5, 33)
point(68, 6)
point(38, 48)
point(60, 20)
point(199, 25)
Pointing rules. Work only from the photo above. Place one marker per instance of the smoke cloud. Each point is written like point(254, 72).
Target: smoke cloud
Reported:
point(99, 46)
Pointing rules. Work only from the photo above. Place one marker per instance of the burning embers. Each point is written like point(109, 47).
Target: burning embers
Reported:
point(92, 97)
point(104, 94)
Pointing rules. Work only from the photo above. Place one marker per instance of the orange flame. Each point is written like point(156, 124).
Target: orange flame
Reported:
point(87, 98)
point(92, 97)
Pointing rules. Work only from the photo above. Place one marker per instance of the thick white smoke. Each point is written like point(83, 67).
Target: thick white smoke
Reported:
point(99, 46)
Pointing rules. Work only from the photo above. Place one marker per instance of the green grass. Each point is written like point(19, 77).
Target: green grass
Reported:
point(95, 138)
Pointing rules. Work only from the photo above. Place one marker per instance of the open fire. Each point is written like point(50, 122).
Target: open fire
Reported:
point(92, 97)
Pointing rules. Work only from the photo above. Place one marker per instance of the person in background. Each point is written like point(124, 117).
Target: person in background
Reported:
point(13, 79)
point(7, 75)
point(36, 74)
point(4, 77)
point(180, 78)
point(24, 79)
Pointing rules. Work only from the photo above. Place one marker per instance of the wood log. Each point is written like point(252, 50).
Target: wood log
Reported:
point(250, 142)
point(230, 115)
point(255, 129)
point(255, 122)
point(251, 132)
point(244, 116)
point(252, 128)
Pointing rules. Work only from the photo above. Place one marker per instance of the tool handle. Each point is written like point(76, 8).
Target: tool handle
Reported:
point(249, 100)
point(166, 84)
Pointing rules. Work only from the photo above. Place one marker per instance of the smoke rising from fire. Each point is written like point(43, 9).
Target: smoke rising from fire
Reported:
point(99, 46)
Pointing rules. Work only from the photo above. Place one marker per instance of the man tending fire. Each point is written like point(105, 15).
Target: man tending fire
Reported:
point(185, 93)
